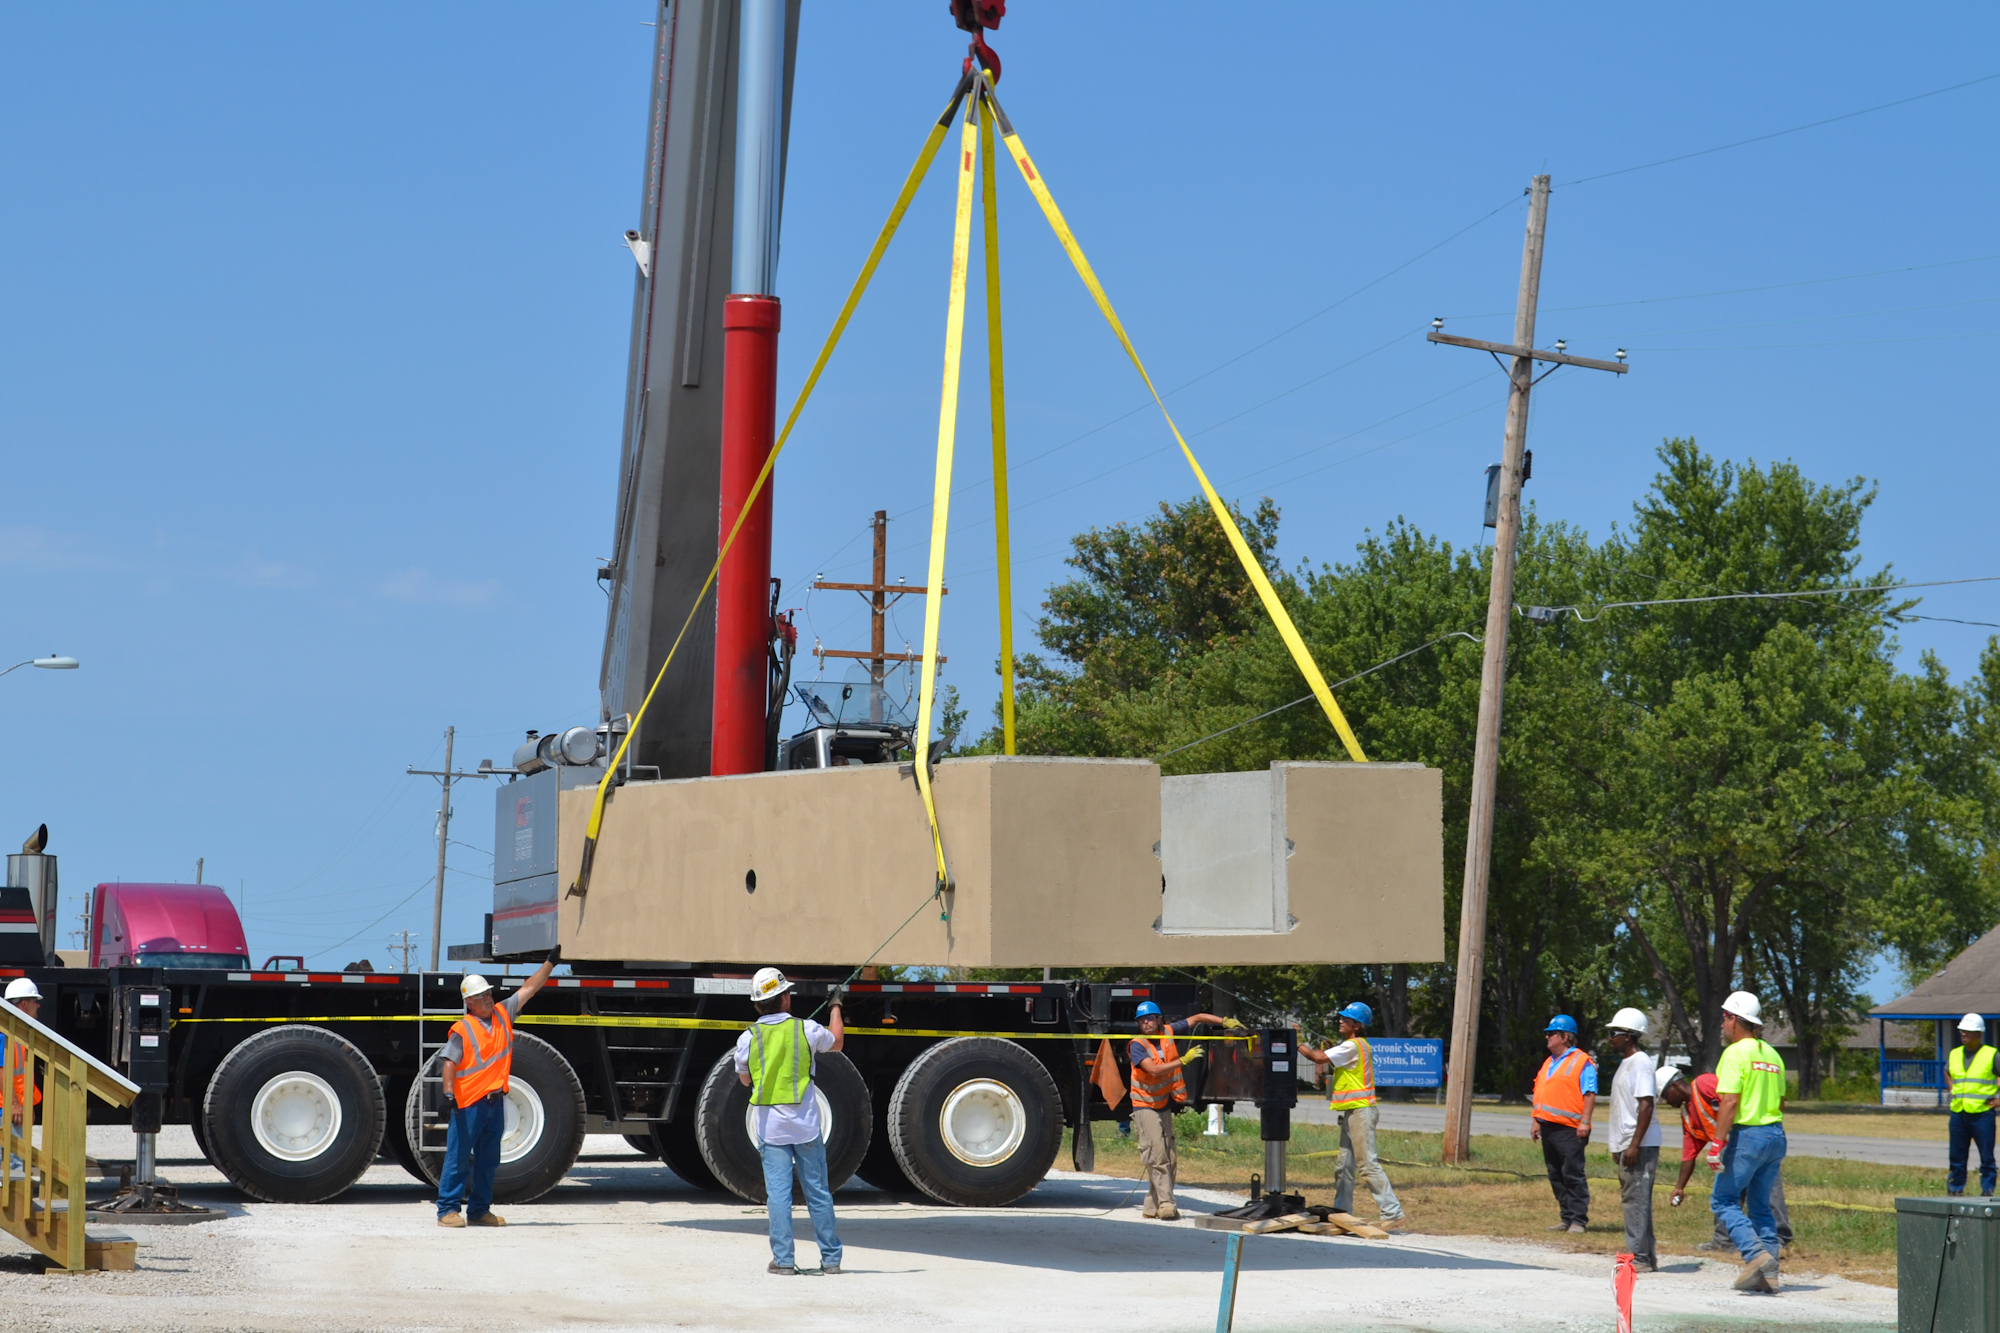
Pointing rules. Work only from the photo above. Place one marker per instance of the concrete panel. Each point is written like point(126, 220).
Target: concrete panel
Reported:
point(1222, 856)
point(1053, 861)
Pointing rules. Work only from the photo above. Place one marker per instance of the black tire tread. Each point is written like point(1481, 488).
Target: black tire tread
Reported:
point(909, 1133)
point(222, 1096)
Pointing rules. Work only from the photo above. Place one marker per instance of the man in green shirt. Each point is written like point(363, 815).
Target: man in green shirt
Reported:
point(1750, 1121)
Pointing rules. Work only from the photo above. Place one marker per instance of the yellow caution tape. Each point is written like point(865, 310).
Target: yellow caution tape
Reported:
point(697, 1025)
point(954, 337)
point(1269, 595)
point(997, 393)
point(910, 183)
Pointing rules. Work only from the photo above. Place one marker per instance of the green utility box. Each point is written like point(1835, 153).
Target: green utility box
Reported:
point(1947, 1265)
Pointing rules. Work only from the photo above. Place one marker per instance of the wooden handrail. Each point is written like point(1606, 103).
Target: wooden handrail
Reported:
point(42, 1183)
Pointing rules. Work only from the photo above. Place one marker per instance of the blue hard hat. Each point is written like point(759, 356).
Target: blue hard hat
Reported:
point(1148, 1008)
point(1360, 1013)
point(1562, 1023)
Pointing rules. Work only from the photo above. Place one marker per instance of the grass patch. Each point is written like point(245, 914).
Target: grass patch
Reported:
point(1832, 1201)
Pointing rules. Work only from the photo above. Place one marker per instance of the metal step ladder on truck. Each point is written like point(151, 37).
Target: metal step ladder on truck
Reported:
point(295, 1082)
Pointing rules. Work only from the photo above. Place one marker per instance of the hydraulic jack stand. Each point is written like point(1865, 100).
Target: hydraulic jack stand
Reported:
point(140, 1041)
point(143, 1196)
point(1268, 1199)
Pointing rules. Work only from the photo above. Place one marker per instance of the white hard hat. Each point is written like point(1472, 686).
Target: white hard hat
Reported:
point(1630, 1019)
point(1664, 1075)
point(768, 984)
point(1744, 1005)
point(20, 988)
point(1970, 1023)
point(474, 984)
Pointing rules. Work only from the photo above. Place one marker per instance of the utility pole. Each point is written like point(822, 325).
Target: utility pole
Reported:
point(447, 777)
point(1493, 672)
point(399, 943)
point(879, 596)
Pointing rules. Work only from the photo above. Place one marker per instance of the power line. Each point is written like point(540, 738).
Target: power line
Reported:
point(1455, 634)
point(1740, 291)
point(1949, 620)
point(1779, 134)
point(1552, 613)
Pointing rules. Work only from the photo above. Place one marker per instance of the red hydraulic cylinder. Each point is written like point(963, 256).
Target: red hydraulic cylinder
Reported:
point(742, 590)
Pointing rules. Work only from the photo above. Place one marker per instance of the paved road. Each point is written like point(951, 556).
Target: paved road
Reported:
point(1852, 1147)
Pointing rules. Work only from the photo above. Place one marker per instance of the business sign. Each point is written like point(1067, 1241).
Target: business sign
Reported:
point(1408, 1062)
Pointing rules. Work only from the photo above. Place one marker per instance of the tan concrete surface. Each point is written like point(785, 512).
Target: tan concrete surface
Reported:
point(1053, 861)
point(623, 1244)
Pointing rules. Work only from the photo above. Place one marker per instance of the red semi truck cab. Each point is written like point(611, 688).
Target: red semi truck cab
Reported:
point(165, 925)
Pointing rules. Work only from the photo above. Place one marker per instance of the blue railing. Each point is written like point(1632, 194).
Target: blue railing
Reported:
point(1913, 1074)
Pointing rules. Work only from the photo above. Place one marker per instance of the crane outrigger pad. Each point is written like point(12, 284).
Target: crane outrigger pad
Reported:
point(1055, 862)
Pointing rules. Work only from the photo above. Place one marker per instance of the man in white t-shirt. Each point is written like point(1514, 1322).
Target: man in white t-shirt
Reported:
point(1635, 1134)
point(775, 1058)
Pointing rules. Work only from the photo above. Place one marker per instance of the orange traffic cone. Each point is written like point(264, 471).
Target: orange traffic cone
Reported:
point(1622, 1282)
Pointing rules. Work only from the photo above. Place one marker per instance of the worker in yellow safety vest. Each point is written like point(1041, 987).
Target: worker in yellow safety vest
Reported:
point(776, 1058)
point(477, 1059)
point(1972, 1088)
point(1157, 1090)
point(1749, 1146)
point(1351, 1096)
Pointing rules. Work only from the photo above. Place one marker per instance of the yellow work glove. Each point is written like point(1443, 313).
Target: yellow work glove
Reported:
point(1233, 1024)
point(1191, 1053)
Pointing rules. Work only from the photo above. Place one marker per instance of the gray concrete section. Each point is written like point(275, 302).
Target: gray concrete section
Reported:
point(1421, 1119)
point(624, 1244)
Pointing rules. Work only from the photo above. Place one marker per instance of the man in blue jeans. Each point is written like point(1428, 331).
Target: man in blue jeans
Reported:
point(1973, 1084)
point(775, 1060)
point(477, 1060)
point(1750, 1120)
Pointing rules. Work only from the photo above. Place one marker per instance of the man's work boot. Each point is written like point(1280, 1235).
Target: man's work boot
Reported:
point(1394, 1224)
point(1756, 1274)
point(774, 1266)
point(1169, 1213)
point(451, 1220)
point(1576, 1228)
point(488, 1220)
point(1150, 1210)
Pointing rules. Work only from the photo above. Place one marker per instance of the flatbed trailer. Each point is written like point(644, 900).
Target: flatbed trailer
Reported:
point(294, 1083)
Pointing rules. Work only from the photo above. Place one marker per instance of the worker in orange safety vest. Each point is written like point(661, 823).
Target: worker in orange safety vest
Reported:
point(477, 1059)
point(20, 1092)
point(1565, 1099)
point(1157, 1089)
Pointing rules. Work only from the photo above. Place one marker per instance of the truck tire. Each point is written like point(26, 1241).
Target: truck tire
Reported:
point(880, 1167)
point(293, 1115)
point(641, 1144)
point(975, 1121)
point(722, 1125)
point(544, 1130)
point(200, 1136)
point(396, 1134)
point(677, 1143)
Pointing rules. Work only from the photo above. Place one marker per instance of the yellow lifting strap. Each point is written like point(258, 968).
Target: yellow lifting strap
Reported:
point(1269, 595)
point(925, 156)
point(954, 338)
point(997, 394)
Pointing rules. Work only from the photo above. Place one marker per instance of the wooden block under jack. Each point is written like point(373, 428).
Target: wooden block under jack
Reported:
point(1285, 1223)
point(110, 1251)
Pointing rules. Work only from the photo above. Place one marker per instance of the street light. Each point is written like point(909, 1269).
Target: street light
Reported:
point(50, 663)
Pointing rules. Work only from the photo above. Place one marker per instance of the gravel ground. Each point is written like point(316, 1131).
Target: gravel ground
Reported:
point(624, 1244)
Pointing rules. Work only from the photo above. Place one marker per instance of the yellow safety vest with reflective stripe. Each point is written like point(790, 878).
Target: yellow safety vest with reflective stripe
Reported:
point(781, 1063)
point(1354, 1086)
point(1972, 1088)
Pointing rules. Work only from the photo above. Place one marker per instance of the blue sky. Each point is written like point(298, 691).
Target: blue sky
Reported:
point(315, 331)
